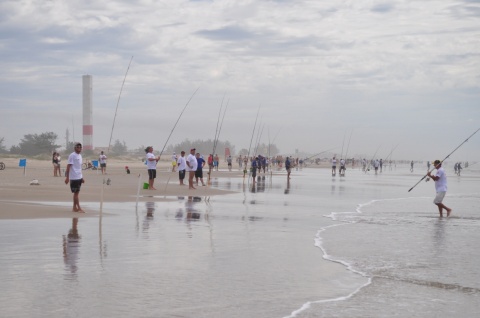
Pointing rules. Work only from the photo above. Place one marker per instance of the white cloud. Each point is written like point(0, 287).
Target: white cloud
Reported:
point(394, 71)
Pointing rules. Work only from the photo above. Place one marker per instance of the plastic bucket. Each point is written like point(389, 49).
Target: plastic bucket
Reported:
point(145, 185)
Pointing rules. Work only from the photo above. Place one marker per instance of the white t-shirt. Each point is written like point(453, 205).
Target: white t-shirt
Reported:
point(151, 164)
point(441, 184)
point(75, 160)
point(102, 159)
point(182, 165)
point(192, 160)
point(334, 162)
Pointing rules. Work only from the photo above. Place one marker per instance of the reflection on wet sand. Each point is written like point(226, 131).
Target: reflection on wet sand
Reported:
point(150, 206)
point(71, 247)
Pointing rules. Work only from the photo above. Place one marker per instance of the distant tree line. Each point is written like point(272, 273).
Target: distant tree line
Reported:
point(45, 143)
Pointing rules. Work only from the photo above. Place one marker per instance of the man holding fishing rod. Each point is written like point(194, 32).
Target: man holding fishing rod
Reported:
point(151, 166)
point(440, 186)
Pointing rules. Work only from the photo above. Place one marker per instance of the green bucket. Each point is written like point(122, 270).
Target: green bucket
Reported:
point(145, 185)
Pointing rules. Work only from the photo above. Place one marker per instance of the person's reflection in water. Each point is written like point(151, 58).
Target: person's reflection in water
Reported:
point(253, 189)
point(192, 213)
point(287, 190)
point(149, 217)
point(71, 246)
point(439, 236)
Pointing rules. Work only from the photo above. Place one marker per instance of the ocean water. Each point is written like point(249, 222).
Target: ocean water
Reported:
point(317, 246)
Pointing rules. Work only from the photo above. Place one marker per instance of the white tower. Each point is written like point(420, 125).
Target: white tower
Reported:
point(87, 113)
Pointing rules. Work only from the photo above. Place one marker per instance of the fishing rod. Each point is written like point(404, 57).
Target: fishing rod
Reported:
point(259, 136)
point(177, 121)
point(251, 139)
point(346, 154)
point(370, 161)
point(391, 152)
point(434, 167)
point(220, 128)
point(318, 154)
point(216, 128)
point(118, 102)
point(217, 134)
point(343, 143)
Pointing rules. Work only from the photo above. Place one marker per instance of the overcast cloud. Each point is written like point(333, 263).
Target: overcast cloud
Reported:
point(403, 72)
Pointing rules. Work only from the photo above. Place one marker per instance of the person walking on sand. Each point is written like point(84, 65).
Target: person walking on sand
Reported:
point(151, 167)
point(103, 162)
point(191, 168)
point(74, 176)
point(229, 163)
point(440, 179)
point(199, 171)
point(182, 165)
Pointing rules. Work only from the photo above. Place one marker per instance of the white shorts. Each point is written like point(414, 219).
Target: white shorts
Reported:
point(439, 198)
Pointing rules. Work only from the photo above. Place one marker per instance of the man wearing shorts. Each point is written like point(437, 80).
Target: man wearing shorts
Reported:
point(151, 167)
point(199, 171)
point(181, 167)
point(74, 176)
point(440, 186)
point(191, 168)
point(103, 162)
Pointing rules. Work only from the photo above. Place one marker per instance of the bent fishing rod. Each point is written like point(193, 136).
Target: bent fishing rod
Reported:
point(434, 167)
point(161, 152)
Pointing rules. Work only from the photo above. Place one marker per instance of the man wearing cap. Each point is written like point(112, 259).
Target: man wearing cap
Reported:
point(440, 186)
point(181, 167)
point(74, 176)
point(191, 167)
point(151, 167)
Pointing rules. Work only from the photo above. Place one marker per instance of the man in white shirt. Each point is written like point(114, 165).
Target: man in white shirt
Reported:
point(74, 176)
point(152, 167)
point(440, 186)
point(334, 166)
point(191, 167)
point(182, 165)
point(103, 162)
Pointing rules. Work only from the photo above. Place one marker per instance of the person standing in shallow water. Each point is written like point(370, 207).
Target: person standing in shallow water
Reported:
point(74, 176)
point(440, 187)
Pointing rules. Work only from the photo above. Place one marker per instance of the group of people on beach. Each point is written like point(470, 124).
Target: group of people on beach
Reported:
point(194, 164)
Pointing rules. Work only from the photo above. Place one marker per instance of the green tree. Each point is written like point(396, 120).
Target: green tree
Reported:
point(119, 148)
point(34, 144)
point(2, 146)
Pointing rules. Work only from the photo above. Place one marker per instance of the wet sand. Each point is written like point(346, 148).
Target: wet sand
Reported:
point(317, 246)
point(19, 199)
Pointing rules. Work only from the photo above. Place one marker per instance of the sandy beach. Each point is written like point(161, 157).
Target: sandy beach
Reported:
point(19, 199)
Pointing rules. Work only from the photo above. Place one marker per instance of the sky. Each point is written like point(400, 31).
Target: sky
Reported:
point(371, 76)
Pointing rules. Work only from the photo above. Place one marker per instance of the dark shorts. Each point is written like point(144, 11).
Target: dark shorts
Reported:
point(199, 173)
point(181, 174)
point(75, 185)
point(103, 165)
point(152, 174)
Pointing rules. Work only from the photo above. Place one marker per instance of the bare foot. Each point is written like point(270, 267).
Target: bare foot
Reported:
point(191, 188)
point(448, 212)
point(78, 211)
